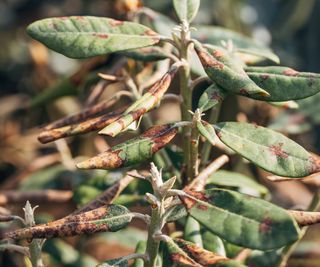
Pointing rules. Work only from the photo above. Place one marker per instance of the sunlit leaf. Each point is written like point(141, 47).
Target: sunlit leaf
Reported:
point(186, 9)
point(227, 72)
point(140, 248)
point(133, 151)
point(207, 131)
point(192, 231)
point(85, 36)
point(147, 102)
point(114, 218)
point(212, 242)
point(268, 149)
point(241, 219)
point(283, 83)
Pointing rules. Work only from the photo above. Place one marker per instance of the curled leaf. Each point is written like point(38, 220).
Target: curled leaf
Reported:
point(226, 72)
point(147, 102)
point(305, 218)
point(87, 126)
point(268, 149)
point(241, 219)
point(85, 36)
point(207, 131)
point(133, 151)
point(192, 231)
point(283, 83)
point(114, 218)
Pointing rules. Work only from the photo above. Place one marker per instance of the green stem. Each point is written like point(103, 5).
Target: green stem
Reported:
point(186, 94)
point(35, 253)
point(194, 145)
point(152, 243)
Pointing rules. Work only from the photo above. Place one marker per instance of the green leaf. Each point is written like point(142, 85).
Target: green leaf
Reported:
point(212, 242)
point(211, 97)
point(140, 248)
point(241, 219)
point(119, 262)
point(186, 9)
point(226, 71)
point(176, 213)
point(215, 35)
point(146, 54)
point(265, 258)
point(283, 83)
point(107, 218)
point(207, 131)
point(233, 179)
point(192, 231)
point(133, 151)
point(83, 37)
point(285, 104)
point(268, 149)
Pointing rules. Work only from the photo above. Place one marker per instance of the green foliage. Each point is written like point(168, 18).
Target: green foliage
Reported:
point(83, 37)
point(242, 220)
point(202, 201)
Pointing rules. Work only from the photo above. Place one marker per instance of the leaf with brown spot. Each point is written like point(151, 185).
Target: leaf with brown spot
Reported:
point(267, 149)
point(146, 103)
point(115, 217)
point(90, 36)
point(242, 220)
point(133, 151)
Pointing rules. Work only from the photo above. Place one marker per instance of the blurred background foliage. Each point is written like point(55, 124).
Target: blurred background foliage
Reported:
point(27, 70)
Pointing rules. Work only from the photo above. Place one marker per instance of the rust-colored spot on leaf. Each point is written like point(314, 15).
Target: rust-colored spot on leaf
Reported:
point(243, 91)
point(115, 23)
point(290, 72)
point(209, 62)
point(278, 151)
point(101, 35)
point(181, 259)
point(265, 226)
point(265, 76)
point(217, 53)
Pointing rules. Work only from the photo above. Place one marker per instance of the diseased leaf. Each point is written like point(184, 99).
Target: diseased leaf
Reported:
point(186, 9)
point(93, 124)
point(147, 102)
point(140, 248)
point(146, 54)
point(207, 131)
point(212, 242)
point(83, 37)
point(133, 151)
point(283, 83)
point(110, 218)
point(226, 72)
point(269, 150)
point(233, 179)
point(211, 97)
point(205, 257)
point(241, 219)
point(192, 231)
point(119, 262)
point(265, 258)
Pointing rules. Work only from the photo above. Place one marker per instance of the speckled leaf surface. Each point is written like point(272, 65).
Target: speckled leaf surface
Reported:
point(114, 218)
point(211, 97)
point(186, 9)
point(283, 83)
point(133, 151)
point(226, 71)
point(241, 219)
point(205, 257)
point(86, 36)
point(147, 102)
point(268, 149)
point(234, 179)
